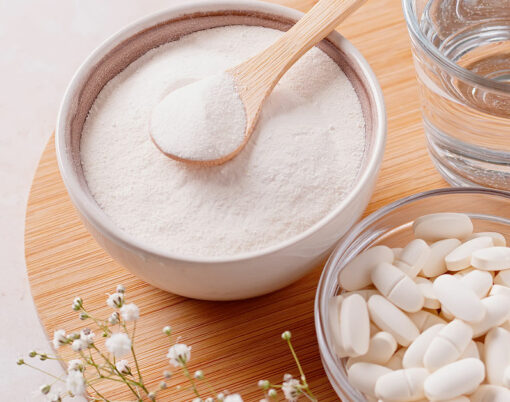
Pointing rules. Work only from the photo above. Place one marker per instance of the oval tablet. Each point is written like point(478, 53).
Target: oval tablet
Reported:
point(413, 257)
point(413, 357)
point(402, 385)
point(458, 299)
point(497, 312)
point(363, 376)
point(491, 259)
point(424, 319)
point(479, 282)
point(435, 264)
point(334, 324)
point(455, 379)
point(503, 278)
point(354, 326)
point(497, 354)
point(448, 345)
point(499, 290)
point(390, 319)
point(491, 393)
point(431, 301)
point(382, 346)
point(400, 289)
point(365, 293)
point(356, 274)
point(497, 238)
point(460, 257)
point(442, 225)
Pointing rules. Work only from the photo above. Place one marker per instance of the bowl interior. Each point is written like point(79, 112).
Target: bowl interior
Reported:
point(392, 226)
point(124, 48)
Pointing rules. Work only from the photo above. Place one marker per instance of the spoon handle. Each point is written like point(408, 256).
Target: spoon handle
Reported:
point(258, 75)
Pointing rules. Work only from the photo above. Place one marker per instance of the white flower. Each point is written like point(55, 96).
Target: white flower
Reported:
point(291, 390)
point(197, 400)
point(114, 318)
point(119, 344)
point(287, 377)
point(209, 399)
point(45, 389)
point(233, 398)
point(75, 365)
point(115, 300)
point(272, 393)
point(130, 312)
point(54, 397)
point(78, 345)
point(121, 289)
point(179, 354)
point(123, 367)
point(199, 375)
point(75, 383)
point(59, 338)
point(87, 337)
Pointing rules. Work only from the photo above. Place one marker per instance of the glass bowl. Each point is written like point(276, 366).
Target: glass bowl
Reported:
point(392, 226)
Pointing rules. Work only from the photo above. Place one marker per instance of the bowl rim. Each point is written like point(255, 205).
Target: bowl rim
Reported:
point(97, 217)
point(328, 357)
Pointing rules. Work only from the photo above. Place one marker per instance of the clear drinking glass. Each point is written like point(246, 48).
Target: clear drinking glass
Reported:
point(461, 52)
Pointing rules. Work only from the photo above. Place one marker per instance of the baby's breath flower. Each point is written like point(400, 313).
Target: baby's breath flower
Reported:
point(121, 289)
point(59, 338)
point(291, 390)
point(286, 335)
point(163, 385)
point(54, 397)
point(78, 345)
point(118, 344)
point(152, 396)
point(75, 383)
point(114, 318)
point(45, 389)
point(32, 353)
point(264, 384)
point(167, 330)
point(179, 354)
point(20, 361)
point(199, 375)
point(220, 396)
point(130, 312)
point(73, 336)
point(77, 303)
point(287, 377)
point(197, 399)
point(272, 393)
point(83, 316)
point(87, 337)
point(43, 357)
point(75, 365)
point(167, 374)
point(209, 399)
point(233, 398)
point(123, 367)
point(115, 300)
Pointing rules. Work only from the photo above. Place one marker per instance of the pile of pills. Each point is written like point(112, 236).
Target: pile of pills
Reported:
point(429, 321)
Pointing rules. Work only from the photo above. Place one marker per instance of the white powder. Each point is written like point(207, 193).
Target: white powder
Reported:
point(302, 160)
point(202, 121)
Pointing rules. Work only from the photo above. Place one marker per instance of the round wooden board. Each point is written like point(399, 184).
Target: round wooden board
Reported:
point(235, 343)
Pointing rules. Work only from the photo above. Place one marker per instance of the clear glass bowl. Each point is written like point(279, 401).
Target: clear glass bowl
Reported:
point(392, 226)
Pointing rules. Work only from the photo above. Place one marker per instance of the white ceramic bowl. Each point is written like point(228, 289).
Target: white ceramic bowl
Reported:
point(241, 276)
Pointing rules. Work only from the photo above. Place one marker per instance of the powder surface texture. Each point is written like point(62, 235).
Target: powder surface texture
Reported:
point(302, 160)
point(202, 121)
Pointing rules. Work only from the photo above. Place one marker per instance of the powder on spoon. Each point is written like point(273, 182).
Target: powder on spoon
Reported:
point(302, 160)
point(203, 121)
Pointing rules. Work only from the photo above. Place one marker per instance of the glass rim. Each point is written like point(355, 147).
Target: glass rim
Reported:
point(444, 62)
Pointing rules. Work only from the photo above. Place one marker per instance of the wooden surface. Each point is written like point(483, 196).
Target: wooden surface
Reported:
point(235, 343)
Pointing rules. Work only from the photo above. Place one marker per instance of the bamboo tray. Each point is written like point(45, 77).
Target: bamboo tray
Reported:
point(234, 343)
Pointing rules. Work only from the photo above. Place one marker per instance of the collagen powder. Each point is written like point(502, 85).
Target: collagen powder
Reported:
point(302, 160)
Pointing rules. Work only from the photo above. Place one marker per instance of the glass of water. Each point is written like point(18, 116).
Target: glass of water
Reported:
point(461, 53)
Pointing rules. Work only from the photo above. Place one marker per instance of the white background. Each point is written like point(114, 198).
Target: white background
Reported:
point(42, 42)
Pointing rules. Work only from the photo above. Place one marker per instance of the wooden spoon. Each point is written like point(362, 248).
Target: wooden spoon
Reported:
point(255, 78)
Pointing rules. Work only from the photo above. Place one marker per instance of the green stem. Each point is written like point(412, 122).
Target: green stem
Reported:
point(96, 391)
point(101, 326)
point(190, 378)
point(44, 371)
point(301, 372)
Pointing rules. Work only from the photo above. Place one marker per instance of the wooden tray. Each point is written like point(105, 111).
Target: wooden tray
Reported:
point(235, 343)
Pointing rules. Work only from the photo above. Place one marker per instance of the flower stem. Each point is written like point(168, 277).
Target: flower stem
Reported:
point(44, 371)
point(305, 387)
point(190, 378)
point(96, 391)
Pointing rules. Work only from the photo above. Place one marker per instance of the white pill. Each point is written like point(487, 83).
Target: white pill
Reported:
point(460, 257)
point(356, 274)
point(397, 287)
point(363, 376)
point(443, 225)
point(503, 278)
point(506, 377)
point(448, 345)
point(479, 282)
point(402, 385)
point(497, 238)
point(497, 354)
point(397, 251)
point(499, 290)
point(413, 257)
point(395, 362)
point(365, 293)
point(354, 326)
point(455, 379)
point(457, 298)
point(425, 286)
point(491, 259)
point(382, 346)
point(497, 312)
point(490, 393)
point(334, 324)
point(424, 320)
point(435, 265)
point(391, 319)
point(413, 357)
point(470, 351)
